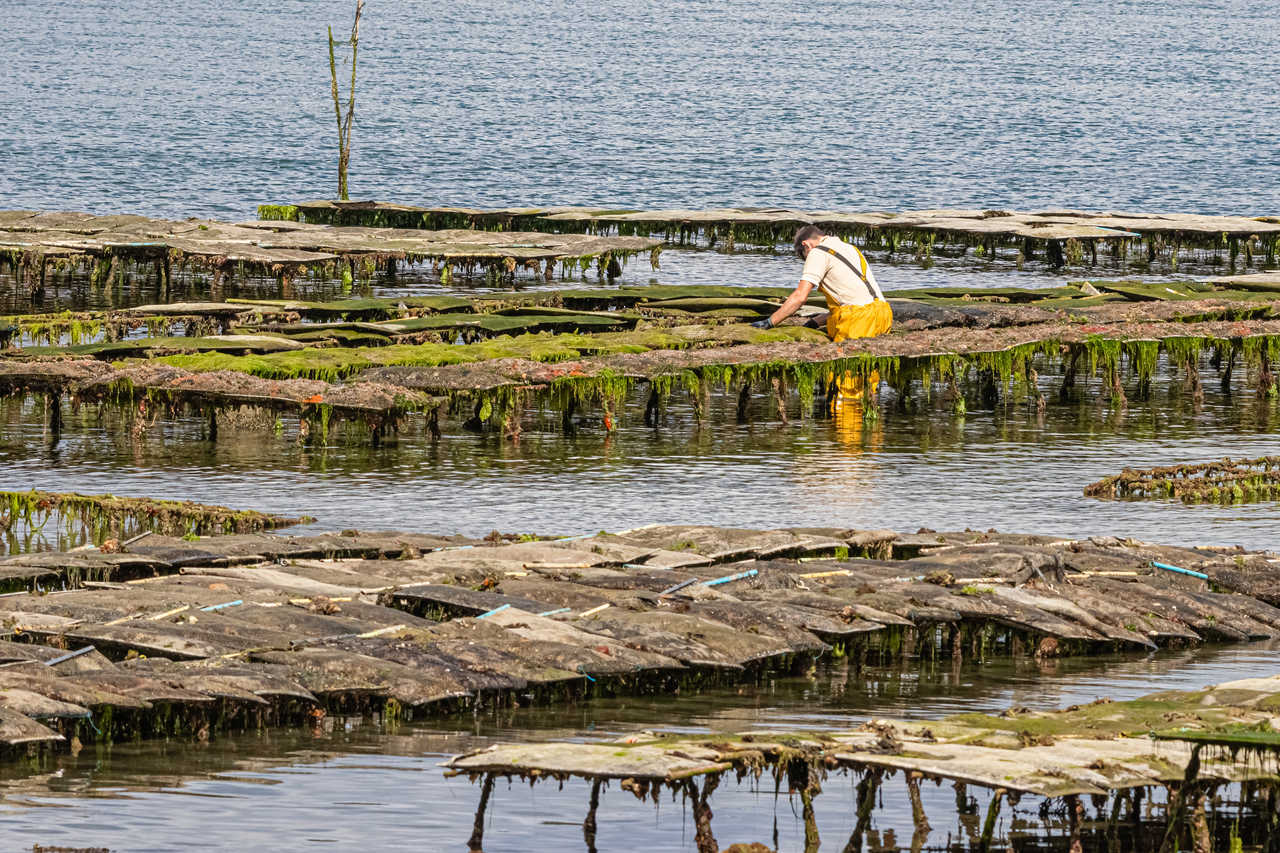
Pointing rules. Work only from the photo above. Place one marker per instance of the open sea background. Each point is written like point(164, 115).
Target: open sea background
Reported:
point(204, 108)
point(208, 109)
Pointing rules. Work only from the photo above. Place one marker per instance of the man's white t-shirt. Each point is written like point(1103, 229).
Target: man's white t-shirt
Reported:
point(835, 278)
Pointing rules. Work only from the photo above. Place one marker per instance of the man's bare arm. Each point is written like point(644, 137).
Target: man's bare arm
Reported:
point(793, 303)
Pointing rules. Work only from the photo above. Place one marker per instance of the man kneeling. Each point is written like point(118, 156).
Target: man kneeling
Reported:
point(857, 306)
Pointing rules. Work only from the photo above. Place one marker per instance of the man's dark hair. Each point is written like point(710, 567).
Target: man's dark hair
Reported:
point(807, 232)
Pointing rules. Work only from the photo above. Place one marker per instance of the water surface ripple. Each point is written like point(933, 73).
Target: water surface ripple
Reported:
point(175, 109)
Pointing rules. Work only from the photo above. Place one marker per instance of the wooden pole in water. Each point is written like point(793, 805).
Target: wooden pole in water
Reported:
point(566, 417)
point(1201, 841)
point(1075, 809)
point(1273, 818)
point(589, 824)
point(703, 837)
point(1113, 825)
point(652, 408)
point(476, 843)
point(53, 402)
point(811, 840)
point(1178, 796)
point(780, 396)
point(866, 802)
point(918, 818)
point(989, 825)
point(1069, 375)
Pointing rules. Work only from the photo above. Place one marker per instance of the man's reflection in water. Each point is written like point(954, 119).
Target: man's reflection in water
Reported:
point(853, 395)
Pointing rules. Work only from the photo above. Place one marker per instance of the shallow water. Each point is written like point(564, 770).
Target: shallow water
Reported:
point(302, 789)
point(1007, 469)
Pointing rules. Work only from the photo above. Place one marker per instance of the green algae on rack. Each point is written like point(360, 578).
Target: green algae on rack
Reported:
point(380, 384)
point(1061, 237)
point(1228, 481)
point(375, 361)
point(103, 516)
point(77, 328)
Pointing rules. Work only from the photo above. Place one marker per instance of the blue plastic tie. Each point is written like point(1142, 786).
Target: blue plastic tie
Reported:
point(1169, 568)
point(213, 607)
point(749, 573)
point(493, 611)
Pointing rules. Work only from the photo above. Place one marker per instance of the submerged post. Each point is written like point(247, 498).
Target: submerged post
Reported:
point(1113, 823)
point(811, 839)
point(589, 824)
point(1201, 839)
point(1179, 795)
point(53, 402)
point(744, 403)
point(703, 838)
point(476, 843)
point(1075, 811)
point(989, 825)
point(652, 408)
point(867, 788)
point(918, 818)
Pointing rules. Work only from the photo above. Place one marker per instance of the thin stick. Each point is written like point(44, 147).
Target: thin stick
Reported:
point(344, 125)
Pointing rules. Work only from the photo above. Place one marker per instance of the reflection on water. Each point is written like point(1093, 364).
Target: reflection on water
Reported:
point(283, 787)
point(1011, 469)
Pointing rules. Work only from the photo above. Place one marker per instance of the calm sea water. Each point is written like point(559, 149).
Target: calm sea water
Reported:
point(210, 108)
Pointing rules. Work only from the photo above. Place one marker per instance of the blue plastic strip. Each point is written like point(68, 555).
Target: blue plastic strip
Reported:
point(749, 573)
point(1169, 568)
point(493, 611)
point(213, 607)
point(584, 673)
point(554, 612)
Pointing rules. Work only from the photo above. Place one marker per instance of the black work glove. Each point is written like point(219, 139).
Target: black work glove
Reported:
point(766, 323)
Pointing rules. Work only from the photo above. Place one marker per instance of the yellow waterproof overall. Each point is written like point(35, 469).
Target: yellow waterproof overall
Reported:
point(856, 321)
